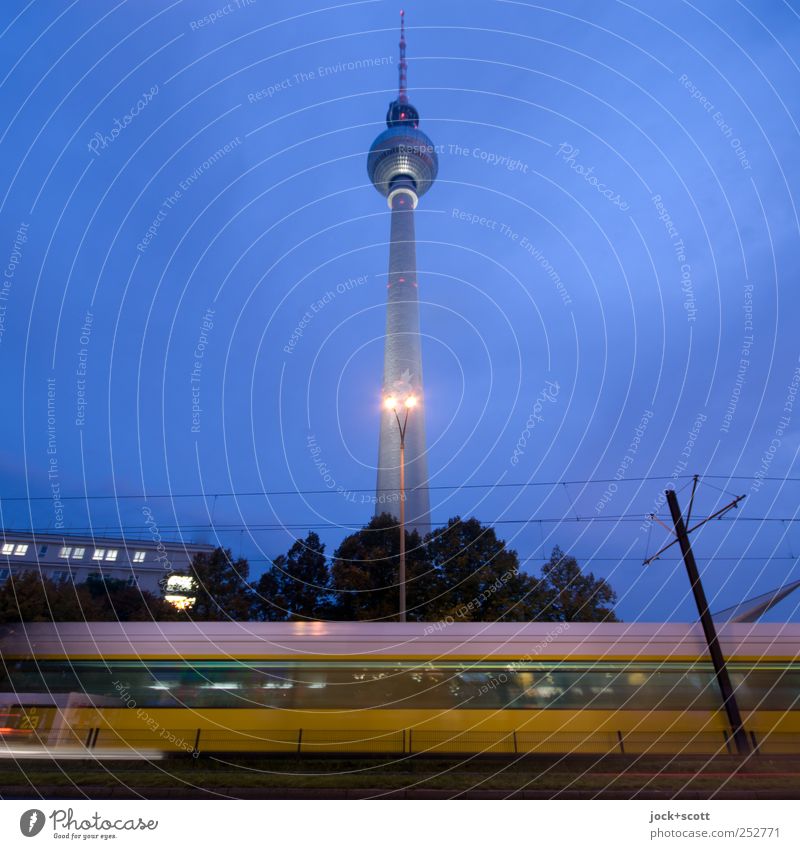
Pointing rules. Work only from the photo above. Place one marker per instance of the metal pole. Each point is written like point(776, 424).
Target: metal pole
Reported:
point(714, 649)
point(401, 427)
point(402, 575)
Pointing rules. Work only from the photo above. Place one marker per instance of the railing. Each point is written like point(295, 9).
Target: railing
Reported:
point(417, 742)
point(45, 731)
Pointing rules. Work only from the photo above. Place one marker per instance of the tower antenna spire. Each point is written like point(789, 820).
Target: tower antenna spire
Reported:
point(402, 96)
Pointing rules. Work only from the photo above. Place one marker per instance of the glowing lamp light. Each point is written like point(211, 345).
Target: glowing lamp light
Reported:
point(177, 583)
point(181, 602)
point(411, 401)
point(390, 403)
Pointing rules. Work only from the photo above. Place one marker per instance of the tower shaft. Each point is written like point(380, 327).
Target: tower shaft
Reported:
point(402, 165)
point(402, 374)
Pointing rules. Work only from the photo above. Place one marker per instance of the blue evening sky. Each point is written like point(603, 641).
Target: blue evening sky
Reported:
point(194, 261)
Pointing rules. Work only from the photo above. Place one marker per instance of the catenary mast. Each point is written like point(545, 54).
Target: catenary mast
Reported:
point(402, 165)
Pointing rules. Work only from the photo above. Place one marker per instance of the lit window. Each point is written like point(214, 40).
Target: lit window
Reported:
point(77, 553)
point(181, 602)
point(8, 548)
point(20, 550)
point(99, 554)
point(65, 551)
point(111, 554)
point(178, 583)
point(138, 556)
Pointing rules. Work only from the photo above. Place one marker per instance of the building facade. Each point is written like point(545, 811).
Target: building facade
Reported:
point(62, 557)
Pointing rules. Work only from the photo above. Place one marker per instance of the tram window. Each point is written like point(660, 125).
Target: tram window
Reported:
point(391, 685)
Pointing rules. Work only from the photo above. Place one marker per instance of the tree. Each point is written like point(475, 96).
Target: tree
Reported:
point(269, 602)
point(365, 572)
point(32, 598)
point(460, 573)
point(296, 586)
point(115, 600)
point(573, 596)
point(221, 588)
point(478, 577)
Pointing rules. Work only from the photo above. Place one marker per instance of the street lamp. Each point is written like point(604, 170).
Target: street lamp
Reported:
point(393, 403)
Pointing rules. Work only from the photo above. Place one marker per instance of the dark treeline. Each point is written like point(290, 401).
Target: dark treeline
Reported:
point(461, 572)
point(32, 598)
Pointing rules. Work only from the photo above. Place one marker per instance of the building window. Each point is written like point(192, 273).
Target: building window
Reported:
point(60, 577)
point(111, 554)
point(178, 591)
point(20, 550)
point(138, 556)
point(180, 583)
point(65, 552)
point(4, 575)
point(42, 550)
point(99, 554)
point(8, 548)
point(180, 602)
point(77, 553)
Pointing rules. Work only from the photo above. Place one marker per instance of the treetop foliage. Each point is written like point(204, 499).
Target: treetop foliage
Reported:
point(461, 572)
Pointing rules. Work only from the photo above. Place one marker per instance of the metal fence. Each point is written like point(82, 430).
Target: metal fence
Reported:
point(419, 742)
point(50, 728)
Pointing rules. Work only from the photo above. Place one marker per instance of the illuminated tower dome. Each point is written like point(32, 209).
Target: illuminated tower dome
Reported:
point(402, 166)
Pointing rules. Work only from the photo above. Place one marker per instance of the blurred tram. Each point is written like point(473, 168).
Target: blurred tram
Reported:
point(394, 688)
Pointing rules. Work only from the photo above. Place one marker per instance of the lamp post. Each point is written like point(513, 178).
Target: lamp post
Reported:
point(392, 403)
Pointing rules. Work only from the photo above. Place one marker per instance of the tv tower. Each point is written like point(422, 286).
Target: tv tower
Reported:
point(402, 165)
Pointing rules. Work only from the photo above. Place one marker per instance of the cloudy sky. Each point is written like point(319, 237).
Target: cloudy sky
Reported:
point(193, 294)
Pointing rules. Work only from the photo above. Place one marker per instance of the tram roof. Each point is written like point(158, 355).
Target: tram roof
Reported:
point(528, 641)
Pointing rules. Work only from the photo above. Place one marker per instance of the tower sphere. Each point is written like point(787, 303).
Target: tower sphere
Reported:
point(402, 153)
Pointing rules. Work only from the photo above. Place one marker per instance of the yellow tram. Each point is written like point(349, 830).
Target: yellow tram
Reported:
point(394, 688)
